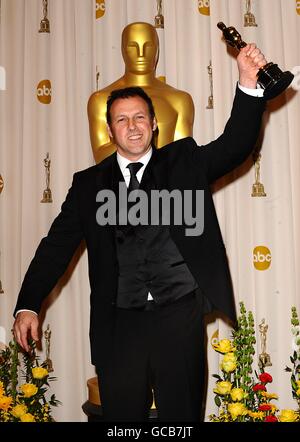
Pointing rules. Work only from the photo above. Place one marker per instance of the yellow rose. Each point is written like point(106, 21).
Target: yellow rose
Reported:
point(223, 387)
point(29, 390)
point(229, 357)
point(1, 389)
point(39, 372)
point(224, 346)
point(228, 363)
point(237, 409)
point(237, 394)
point(5, 402)
point(27, 418)
point(298, 392)
point(298, 383)
point(19, 410)
point(288, 416)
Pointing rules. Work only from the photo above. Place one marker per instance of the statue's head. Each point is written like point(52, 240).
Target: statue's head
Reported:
point(140, 47)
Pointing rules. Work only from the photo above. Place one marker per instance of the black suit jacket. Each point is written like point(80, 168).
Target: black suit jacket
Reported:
point(179, 165)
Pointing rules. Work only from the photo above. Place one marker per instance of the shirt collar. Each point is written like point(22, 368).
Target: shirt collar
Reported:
point(123, 162)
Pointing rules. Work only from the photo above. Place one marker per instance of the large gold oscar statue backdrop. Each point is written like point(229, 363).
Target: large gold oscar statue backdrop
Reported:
point(174, 108)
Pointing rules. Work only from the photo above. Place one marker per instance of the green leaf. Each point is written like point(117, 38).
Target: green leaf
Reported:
point(217, 377)
point(218, 401)
point(294, 384)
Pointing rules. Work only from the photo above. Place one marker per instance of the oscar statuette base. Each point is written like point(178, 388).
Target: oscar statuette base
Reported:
point(258, 190)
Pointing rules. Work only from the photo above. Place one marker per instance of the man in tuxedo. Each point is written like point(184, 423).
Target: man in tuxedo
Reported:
point(150, 284)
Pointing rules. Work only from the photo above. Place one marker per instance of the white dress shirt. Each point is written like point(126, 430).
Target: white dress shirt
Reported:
point(123, 163)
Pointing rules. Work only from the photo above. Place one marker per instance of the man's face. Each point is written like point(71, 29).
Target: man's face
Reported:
point(131, 127)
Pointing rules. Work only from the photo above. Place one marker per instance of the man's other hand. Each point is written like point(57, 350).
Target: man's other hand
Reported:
point(26, 326)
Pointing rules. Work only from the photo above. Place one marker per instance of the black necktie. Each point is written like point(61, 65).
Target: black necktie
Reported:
point(134, 168)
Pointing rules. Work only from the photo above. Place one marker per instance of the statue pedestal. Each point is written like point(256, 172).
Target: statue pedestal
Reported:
point(258, 190)
point(93, 391)
point(92, 407)
point(264, 360)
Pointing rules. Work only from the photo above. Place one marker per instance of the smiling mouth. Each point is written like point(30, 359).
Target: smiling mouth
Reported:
point(135, 137)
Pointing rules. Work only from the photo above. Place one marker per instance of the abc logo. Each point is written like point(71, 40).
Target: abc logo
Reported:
point(44, 91)
point(298, 6)
point(203, 6)
point(100, 8)
point(261, 258)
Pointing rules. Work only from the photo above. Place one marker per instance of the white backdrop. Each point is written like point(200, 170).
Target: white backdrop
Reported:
point(80, 44)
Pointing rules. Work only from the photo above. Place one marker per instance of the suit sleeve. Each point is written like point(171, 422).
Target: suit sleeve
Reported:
point(238, 139)
point(52, 255)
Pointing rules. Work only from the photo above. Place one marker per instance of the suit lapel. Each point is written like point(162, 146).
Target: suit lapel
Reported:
point(158, 167)
point(117, 176)
point(109, 175)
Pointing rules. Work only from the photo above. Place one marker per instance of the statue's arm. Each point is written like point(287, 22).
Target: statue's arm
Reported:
point(185, 116)
point(100, 140)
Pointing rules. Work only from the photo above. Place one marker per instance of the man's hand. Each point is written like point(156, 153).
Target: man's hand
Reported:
point(25, 326)
point(249, 60)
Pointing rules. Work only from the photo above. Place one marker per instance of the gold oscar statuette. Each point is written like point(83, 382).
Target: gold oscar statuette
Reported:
point(249, 19)
point(159, 18)
point(174, 108)
point(45, 24)
point(270, 77)
point(48, 362)
point(264, 359)
point(210, 104)
point(97, 78)
point(1, 184)
point(47, 194)
point(257, 187)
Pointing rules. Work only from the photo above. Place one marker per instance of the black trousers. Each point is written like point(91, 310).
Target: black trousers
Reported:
point(160, 349)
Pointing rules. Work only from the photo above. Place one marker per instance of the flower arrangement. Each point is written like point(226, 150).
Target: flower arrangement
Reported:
point(239, 396)
point(26, 402)
point(289, 415)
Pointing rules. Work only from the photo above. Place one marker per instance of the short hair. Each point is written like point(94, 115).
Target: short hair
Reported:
point(128, 92)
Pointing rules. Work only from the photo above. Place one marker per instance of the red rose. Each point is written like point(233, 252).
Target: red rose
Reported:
point(271, 418)
point(265, 378)
point(259, 387)
point(265, 407)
